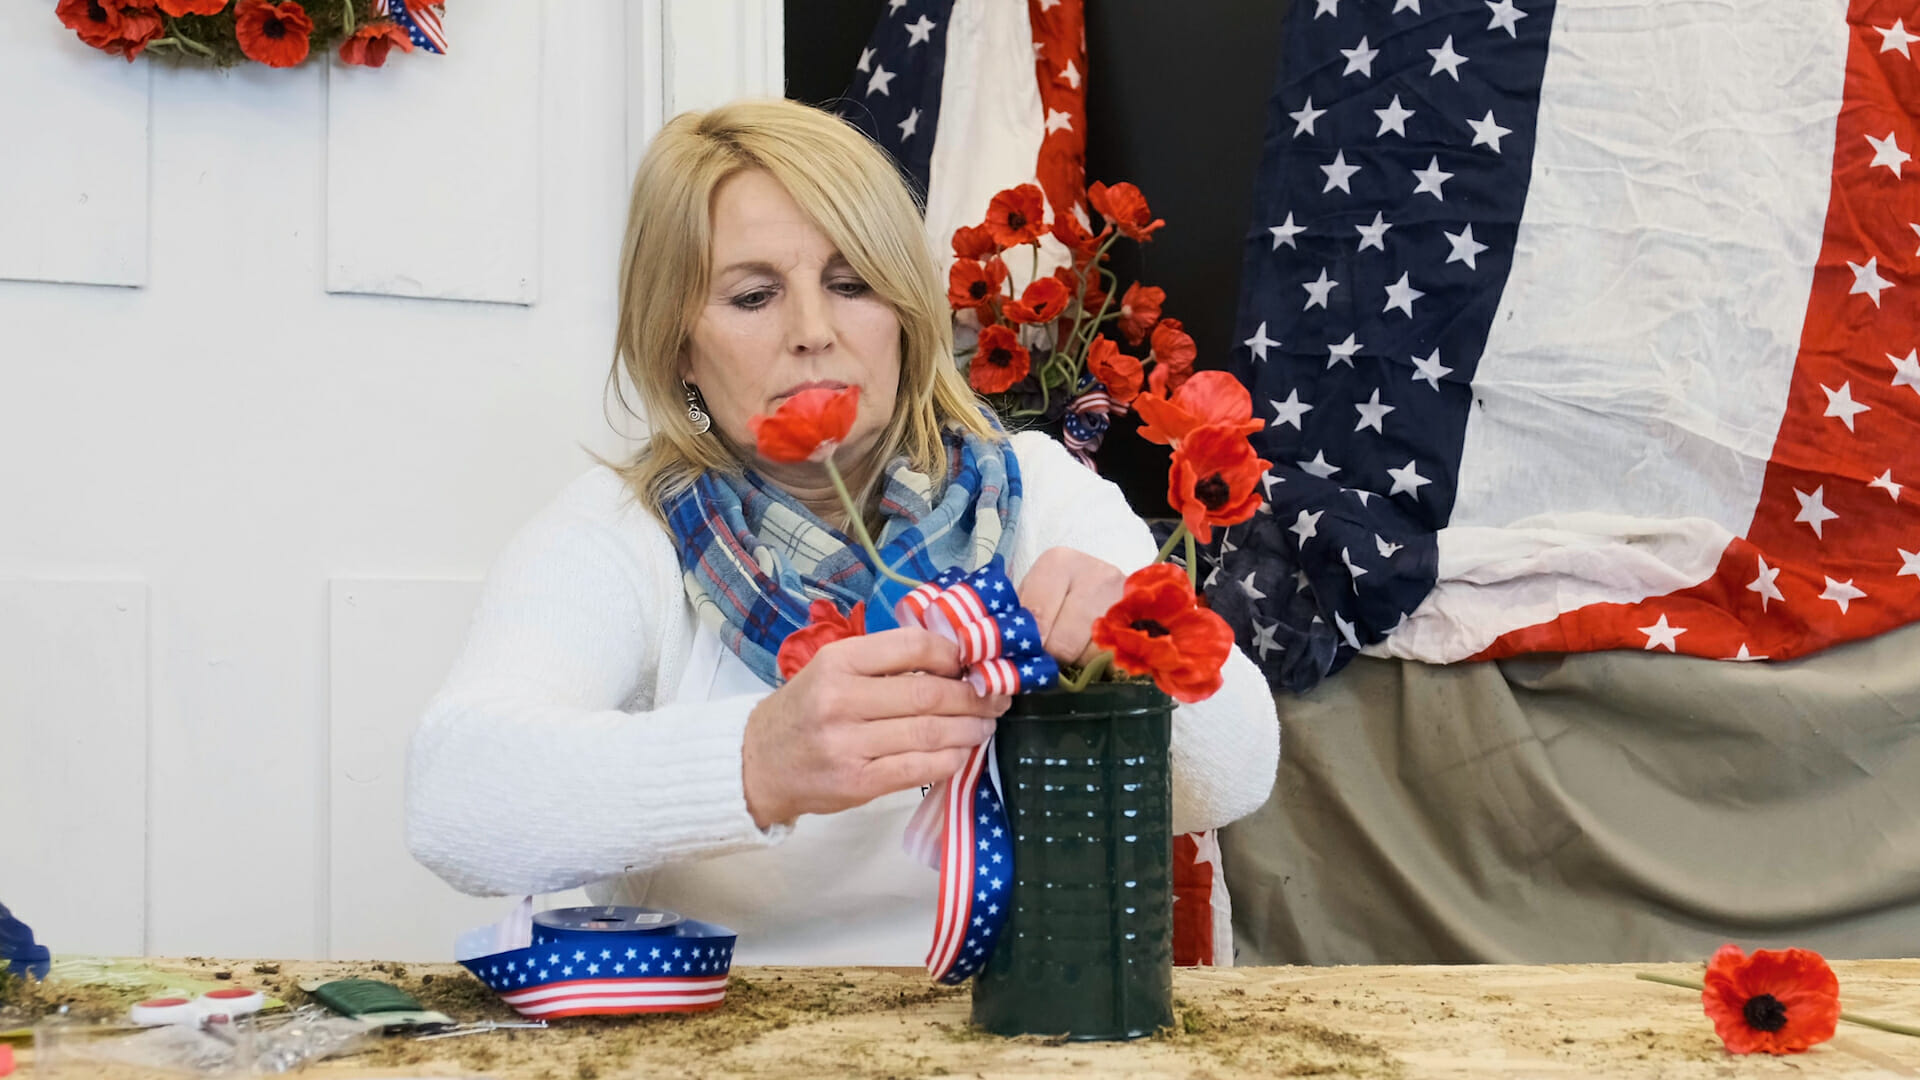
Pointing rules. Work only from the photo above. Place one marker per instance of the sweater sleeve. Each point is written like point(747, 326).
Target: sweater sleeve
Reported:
point(527, 774)
point(1226, 749)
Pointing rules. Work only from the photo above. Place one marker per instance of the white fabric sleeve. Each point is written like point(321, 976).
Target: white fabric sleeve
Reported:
point(525, 775)
point(1226, 749)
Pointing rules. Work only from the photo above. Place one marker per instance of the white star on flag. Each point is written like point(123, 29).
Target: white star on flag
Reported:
point(1840, 404)
point(1487, 132)
point(1663, 635)
point(1505, 17)
point(1263, 638)
point(1260, 342)
point(1885, 480)
point(1246, 586)
point(1401, 295)
point(1407, 480)
point(1887, 152)
point(1406, 5)
point(1339, 173)
point(866, 61)
point(1744, 655)
point(1430, 180)
point(910, 124)
point(1360, 59)
point(1343, 352)
point(1813, 509)
point(1303, 120)
point(1326, 7)
point(1867, 279)
point(1906, 371)
point(917, 32)
point(1374, 235)
point(1465, 247)
point(1445, 59)
point(1764, 584)
point(1346, 631)
point(1842, 593)
point(1431, 369)
point(1385, 549)
point(1896, 39)
point(1909, 562)
point(1284, 233)
point(1306, 526)
point(1393, 118)
point(1058, 121)
point(881, 77)
point(1071, 74)
point(1318, 466)
point(1353, 571)
point(1372, 412)
point(1318, 290)
point(1289, 411)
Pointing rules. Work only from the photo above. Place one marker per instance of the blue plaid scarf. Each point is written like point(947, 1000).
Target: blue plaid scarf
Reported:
point(754, 558)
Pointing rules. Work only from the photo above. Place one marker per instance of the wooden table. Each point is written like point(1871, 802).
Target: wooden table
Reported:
point(1386, 1022)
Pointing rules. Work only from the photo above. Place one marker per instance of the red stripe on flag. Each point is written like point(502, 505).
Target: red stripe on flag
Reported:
point(1060, 66)
point(1789, 588)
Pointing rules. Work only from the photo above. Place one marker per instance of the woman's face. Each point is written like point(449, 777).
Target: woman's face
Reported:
point(785, 313)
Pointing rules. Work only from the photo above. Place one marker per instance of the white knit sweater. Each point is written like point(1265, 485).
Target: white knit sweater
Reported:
point(572, 744)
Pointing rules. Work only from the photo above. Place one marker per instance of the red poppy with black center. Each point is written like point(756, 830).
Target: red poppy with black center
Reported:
point(276, 35)
point(1126, 208)
point(1043, 301)
point(974, 242)
point(1210, 397)
point(1775, 1001)
point(972, 284)
point(825, 625)
point(96, 21)
point(369, 45)
point(1120, 372)
point(807, 426)
point(1214, 480)
point(999, 361)
point(1017, 216)
point(1158, 628)
point(1172, 353)
point(1139, 310)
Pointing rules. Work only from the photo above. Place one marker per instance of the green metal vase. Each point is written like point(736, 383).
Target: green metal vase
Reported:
point(1088, 948)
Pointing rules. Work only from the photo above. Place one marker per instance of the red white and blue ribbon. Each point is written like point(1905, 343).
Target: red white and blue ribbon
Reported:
point(961, 828)
point(600, 961)
point(1088, 416)
point(422, 23)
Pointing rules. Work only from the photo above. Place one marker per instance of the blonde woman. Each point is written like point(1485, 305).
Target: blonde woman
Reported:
point(617, 719)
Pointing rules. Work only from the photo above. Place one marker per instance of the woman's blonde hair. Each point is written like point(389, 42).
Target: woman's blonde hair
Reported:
point(850, 190)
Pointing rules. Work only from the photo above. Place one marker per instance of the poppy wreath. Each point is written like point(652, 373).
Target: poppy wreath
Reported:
point(1053, 355)
point(277, 33)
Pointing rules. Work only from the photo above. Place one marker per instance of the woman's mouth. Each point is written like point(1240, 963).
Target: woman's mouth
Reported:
point(816, 384)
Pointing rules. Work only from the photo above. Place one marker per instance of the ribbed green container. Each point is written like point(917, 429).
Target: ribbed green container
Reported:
point(1088, 949)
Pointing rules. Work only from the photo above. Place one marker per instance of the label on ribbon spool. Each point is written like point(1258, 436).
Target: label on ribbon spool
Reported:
point(602, 961)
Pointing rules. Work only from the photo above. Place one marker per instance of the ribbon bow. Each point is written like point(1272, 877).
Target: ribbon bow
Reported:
point(1089, 415)
point(961, 828)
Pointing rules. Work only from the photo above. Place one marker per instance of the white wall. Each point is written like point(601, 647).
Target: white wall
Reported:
point(241, 515)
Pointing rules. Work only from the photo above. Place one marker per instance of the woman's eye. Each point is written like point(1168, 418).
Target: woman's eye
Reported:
point(852, 287)
point(753, 301)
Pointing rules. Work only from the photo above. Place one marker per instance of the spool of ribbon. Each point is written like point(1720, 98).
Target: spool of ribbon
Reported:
point(960, 827)
point(600, 961)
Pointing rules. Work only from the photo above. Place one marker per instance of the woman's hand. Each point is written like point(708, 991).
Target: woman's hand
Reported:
point(868, 716)
point(1066, 590)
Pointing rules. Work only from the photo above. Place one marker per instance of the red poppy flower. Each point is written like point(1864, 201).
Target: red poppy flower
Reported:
point(825, 625)
point(1096, 295)
point(999, 361)
point(1158, 628)
point(1017, 216)
point(1126, 208)
point(974, 242)
point(1172, 353)
point(272, 34)
point(1210, 397)
point(370, 44)
point(1214, 480)
point(1043, 301)
point(1067, 230)
point(1777, 1001)
point(1120, 372)
point(97, 22)
point(177, 8)
point(973, 284)
point(1139, 310)
point(138, 27)
point(807, 426)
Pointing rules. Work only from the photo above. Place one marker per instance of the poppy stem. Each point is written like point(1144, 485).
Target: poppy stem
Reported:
point(859, 524)
point(1851, 1018)
point(1179, 531)
point(1193, 563)
point(346, 17)
point(1094, 669)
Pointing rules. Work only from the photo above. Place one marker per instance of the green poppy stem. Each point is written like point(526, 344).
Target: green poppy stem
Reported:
point(1179, 531)
point(346, 17)
point(1851, 1018)
point(1193, 564)
point(859, 524)
point(1094, 669)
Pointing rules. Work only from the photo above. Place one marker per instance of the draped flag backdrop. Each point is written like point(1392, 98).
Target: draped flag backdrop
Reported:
point(1586, 324)
point(971, 97)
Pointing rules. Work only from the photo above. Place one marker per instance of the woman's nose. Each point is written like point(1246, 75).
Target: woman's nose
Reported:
point(810, 324)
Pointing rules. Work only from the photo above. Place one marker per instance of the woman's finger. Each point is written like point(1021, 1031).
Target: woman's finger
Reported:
point(895, 652)
point(915, 768)
point(914, 694)
point(924, 734)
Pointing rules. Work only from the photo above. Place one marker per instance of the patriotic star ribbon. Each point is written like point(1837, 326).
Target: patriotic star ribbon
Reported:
point(1088, 416)
point(422, 23)
point(961, 827)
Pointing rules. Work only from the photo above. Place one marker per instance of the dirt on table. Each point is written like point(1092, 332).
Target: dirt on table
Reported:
point(873, 1023)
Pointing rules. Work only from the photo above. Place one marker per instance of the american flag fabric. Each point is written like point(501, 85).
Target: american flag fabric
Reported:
point(421, 22)
point(1581, 325)
point(574, 971)
point(972, 97)
point(960, 827)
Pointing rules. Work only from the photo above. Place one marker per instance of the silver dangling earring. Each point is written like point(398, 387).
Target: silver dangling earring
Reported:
point(697, 417)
